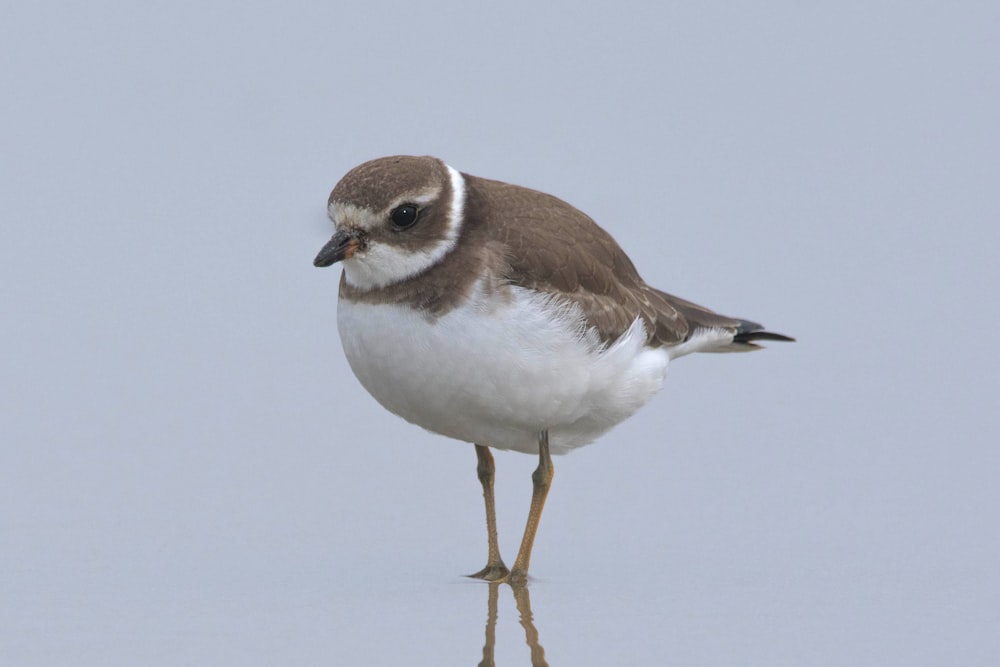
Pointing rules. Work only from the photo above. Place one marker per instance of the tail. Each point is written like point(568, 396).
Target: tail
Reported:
point(724, 334)
point(709, 331)
point(748, 332)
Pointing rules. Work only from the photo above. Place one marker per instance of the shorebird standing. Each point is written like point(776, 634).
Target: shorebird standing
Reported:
point(503, 317)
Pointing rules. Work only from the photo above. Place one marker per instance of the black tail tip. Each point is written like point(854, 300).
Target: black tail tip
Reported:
point(749, 332)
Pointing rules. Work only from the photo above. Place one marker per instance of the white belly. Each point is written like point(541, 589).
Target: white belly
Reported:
point(497, 371)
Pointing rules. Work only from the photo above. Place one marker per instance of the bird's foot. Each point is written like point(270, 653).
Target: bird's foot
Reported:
point(517, 577)
point(492, 572)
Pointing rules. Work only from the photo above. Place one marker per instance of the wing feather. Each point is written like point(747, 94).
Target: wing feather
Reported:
point(553, 247)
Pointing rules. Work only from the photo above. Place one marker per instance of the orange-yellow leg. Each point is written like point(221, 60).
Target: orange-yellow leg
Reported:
point(495, 570)
point(541, 481)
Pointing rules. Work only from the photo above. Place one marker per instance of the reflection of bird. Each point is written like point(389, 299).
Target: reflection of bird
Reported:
point(523, 601)
point(501, 316)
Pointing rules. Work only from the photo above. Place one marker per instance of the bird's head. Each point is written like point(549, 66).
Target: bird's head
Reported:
point(395, 217)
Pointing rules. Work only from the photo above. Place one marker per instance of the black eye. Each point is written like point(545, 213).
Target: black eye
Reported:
point(404, 216)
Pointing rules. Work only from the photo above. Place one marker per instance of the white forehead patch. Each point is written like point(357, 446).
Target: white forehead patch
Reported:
point(381, 265)
point(342, 213)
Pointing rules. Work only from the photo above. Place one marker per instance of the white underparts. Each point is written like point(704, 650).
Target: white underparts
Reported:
point(714, 339)
point(496, 371)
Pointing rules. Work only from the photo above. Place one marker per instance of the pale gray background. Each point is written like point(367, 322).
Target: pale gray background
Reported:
point(190, 474)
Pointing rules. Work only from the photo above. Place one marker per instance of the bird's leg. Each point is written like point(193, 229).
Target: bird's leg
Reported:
point(541, 480)
point(495, 570)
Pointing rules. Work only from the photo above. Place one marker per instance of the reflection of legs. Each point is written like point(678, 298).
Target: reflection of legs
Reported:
point(528, 623)
point(491, 626)
point(523, 603)
point(541, 480)
point(495, 570)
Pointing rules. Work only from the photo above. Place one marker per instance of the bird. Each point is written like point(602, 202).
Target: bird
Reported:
point(503, 317)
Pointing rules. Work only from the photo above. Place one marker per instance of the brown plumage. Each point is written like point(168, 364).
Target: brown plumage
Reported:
point(543, 244)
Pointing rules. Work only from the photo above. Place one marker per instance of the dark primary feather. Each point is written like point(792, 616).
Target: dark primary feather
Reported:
point(760, 334)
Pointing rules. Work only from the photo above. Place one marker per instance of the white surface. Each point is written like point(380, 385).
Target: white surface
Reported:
point(190, 474)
